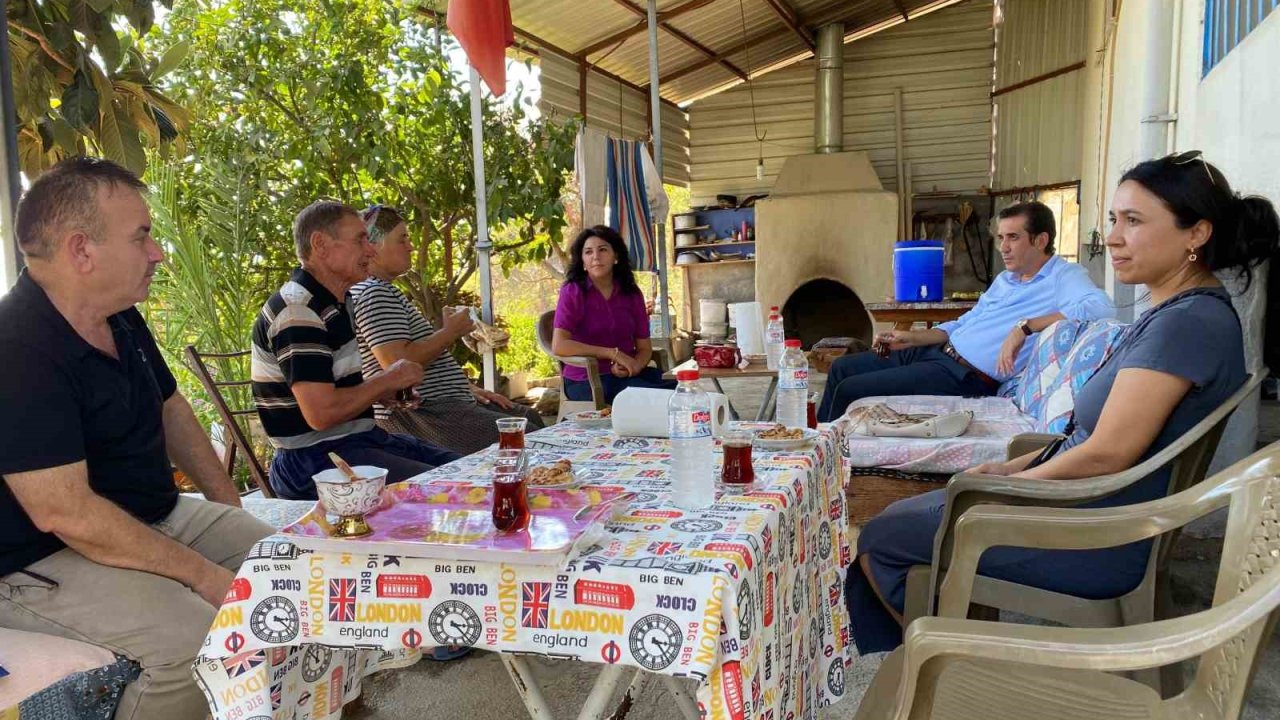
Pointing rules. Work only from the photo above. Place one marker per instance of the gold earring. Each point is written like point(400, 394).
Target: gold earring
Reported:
point(1193, 257)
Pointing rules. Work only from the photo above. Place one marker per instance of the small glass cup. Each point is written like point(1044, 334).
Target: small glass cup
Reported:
point(736, 468)
point(510, 494)
point(813, 411)
point(511, 433)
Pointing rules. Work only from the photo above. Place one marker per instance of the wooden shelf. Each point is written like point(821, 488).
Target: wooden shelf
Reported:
point(717, 262)
point(713, 246)
point(698, 228)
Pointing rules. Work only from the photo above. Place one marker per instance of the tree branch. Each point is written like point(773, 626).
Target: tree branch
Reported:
point(44, 45)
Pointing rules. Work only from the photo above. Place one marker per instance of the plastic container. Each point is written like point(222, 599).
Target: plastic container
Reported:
point(793, 387)
point(689, 425)
point(774, 338)
point(917, 270)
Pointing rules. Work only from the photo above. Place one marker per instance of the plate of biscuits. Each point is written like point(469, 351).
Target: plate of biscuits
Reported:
point(594, 418)
point(781, 437)
point(553, 474)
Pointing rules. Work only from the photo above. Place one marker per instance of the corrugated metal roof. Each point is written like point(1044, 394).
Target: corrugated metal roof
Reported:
point(1038, 140)
point(715, 26)
point(942, 62)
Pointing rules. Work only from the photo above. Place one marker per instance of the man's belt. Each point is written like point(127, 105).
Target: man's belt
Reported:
point(950, 351)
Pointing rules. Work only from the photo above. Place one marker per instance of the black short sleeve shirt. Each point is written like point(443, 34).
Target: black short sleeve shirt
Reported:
point(62, 401)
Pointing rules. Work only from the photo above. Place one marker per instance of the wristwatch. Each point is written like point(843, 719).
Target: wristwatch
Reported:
point(1025, 326)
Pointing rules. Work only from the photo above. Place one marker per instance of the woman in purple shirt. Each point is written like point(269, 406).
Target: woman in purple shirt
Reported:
point(601, 314)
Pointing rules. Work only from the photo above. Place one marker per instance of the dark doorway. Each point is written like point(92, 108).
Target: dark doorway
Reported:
point(825, 308)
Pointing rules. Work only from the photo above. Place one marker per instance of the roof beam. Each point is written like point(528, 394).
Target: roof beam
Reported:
point(684, 39)
point(641, 26)
point(694, 67)
point(902, 9)
point(788, 15)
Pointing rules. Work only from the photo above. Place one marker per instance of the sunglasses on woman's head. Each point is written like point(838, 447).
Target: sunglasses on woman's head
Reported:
point(1191, 156)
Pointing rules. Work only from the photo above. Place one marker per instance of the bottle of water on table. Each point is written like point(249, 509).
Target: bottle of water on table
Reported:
point(793, 387)
point(774, 337)
point(689, 423)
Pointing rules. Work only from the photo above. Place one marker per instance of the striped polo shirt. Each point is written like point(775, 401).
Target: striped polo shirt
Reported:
point(383, 314)
point(303, 334)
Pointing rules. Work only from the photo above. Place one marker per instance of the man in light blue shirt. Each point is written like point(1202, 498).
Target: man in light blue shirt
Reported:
point(971, 356)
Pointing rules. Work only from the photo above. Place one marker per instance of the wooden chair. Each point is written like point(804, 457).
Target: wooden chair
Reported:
point(231, 418)
point(1188, 458)
point(954, 668)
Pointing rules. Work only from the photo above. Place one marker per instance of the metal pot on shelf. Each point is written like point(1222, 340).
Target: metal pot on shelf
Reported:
point(684, 222)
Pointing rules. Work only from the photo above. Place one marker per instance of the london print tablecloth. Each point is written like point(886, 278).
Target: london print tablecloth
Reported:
point(744, 596)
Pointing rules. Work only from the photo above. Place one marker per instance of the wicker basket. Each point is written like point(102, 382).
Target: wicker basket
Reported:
point(869, 494)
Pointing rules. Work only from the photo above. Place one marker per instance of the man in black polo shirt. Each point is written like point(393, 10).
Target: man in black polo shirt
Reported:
point(307, 382)
point(95, 543)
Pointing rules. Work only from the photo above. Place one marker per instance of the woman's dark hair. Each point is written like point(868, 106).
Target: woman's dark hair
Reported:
point(1246, 230)
point(623, 276)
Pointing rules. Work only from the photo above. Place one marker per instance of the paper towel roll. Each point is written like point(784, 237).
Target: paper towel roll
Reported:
point(746, 318)
point(712, 311)
point(642, 412)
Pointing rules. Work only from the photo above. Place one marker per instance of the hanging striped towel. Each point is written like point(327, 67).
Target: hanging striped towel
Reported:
point(628, 204)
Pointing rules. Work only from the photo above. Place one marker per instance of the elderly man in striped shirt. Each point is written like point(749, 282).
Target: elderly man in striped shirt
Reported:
point(307, 383)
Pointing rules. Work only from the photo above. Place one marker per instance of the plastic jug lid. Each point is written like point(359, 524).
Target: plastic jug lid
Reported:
point(686, 375)
point(793, 343)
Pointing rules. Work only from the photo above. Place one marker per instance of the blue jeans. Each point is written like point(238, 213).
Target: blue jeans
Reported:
point(402, 455)
point(650, 377)
point(913, 371)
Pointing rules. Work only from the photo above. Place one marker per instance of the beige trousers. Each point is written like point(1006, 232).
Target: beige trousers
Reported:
point(157, 622)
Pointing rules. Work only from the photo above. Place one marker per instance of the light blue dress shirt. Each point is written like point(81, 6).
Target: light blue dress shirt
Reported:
point(1060, 286)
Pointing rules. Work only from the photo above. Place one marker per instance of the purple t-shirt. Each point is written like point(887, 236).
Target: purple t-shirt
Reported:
point(590, 318)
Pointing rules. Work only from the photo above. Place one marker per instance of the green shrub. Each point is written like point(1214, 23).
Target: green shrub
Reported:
point(522, 352)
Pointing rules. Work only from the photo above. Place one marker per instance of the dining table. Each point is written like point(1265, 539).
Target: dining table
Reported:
point(743, 598)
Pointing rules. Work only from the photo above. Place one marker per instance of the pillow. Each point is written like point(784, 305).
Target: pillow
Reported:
point(39, 661)
point(1081, 363)
point(1030, 388)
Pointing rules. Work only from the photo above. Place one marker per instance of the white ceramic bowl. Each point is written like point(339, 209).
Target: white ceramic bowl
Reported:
point(341, 496)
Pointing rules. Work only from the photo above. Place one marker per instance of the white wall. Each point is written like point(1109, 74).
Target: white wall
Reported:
point(1230, 115)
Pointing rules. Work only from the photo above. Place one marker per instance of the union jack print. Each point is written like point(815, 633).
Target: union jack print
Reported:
point(535, 605)
point(342, 600)
point(238, 665)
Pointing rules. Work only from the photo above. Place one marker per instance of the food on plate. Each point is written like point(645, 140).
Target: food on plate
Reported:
point(596, 414)
point(557, 473)
point(781, 432)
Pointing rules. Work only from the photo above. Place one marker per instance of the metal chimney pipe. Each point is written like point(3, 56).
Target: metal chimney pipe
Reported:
point(828, 118)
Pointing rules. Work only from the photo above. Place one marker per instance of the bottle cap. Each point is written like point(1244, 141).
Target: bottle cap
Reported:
point(686, 375)
point(793, 343)
point(773, 309)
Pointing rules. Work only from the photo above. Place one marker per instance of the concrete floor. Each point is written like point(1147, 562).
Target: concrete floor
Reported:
point(478, 688)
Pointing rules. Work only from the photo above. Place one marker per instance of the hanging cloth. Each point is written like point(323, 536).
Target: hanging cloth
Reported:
point(589, 165)
point(483, 29)
point(629, 201)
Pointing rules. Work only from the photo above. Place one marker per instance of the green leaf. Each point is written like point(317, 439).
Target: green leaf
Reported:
point(80, 102)
point(172, 58)
point(142, 15)
point(101, 6)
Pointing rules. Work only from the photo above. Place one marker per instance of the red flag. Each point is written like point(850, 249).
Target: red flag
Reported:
point(483, 28)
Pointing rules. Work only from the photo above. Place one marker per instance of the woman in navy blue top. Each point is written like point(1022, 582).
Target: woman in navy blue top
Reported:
point(1175, 221)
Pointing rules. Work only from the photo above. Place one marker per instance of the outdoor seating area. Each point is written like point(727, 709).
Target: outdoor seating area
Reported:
point(639, 359)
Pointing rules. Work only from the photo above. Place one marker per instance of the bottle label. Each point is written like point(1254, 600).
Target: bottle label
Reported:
point(793, 379)
point(686, 425)
point(775, 337)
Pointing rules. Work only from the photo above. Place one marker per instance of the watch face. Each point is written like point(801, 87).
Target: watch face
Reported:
point(274, 620)
point(315, 661)
point(696, 525)
point(655, 642)
point(454, 623)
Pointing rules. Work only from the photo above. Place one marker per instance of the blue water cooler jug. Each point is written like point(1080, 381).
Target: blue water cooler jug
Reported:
point(917, 270)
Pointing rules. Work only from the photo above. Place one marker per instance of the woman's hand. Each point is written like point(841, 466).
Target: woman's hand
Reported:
point(1009, 351)
point(989, 469)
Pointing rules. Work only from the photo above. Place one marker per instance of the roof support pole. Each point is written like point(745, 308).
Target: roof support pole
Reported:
point(655, 112)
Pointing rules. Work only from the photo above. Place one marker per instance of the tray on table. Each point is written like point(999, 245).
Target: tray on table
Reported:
point(453, 521)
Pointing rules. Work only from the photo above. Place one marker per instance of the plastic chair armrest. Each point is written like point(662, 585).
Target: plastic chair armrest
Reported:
point(1023, 443)
point(987, 526)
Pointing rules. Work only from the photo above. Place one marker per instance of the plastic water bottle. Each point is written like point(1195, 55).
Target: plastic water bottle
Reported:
point(793, 387)
point(774, 337)
point(689, 423)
